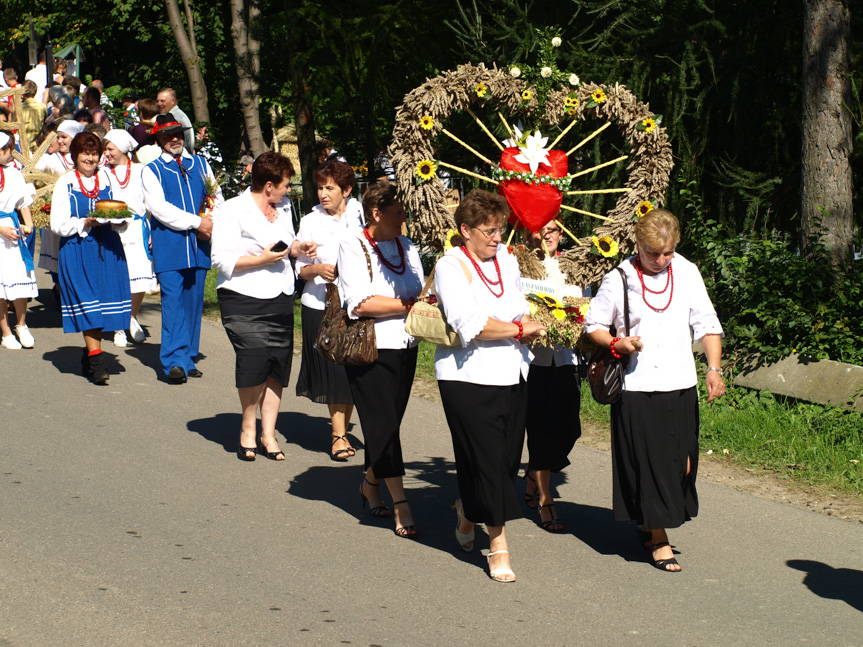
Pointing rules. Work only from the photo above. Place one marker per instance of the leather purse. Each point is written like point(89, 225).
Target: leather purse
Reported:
point(343, 340)
point(605, 372)
point(426, 320)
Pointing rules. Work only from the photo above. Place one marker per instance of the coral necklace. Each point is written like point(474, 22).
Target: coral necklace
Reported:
point(488, 282)
point(2, 179)
point(123, 183)
point(669, 282)
point(90, 194)
point(398, 269)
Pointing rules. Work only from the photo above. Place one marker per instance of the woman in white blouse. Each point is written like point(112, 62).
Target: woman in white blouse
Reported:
point(381, 389)
point(252, 237)
point(483, 381)
point(654, 425)
point(336, 217)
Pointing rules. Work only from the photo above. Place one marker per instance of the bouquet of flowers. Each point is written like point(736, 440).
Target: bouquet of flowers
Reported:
point(41, 211)
point(563, 320)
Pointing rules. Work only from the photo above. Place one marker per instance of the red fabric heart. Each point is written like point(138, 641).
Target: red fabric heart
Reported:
point(534, 206)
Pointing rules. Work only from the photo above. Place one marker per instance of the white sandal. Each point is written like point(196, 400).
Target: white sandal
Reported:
point(464, 539)
point(498, 572)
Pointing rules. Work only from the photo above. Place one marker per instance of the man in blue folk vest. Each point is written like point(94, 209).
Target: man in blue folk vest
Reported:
point(175, 191)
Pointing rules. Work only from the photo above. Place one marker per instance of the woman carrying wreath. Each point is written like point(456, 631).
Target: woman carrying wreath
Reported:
point(327, 224)
point(380, 390)
point(654, 424)
point(483, 381)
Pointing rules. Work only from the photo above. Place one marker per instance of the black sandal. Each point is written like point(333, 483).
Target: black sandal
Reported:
point(243, 453)
point(273, 456)
point(408, 532)
point(342, 455)
point(663, 564)
point(549, 526)
point(379, 510)
point(531, 500)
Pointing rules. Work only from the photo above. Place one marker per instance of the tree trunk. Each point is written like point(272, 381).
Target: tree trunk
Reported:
point(191, 58)
point(247, 54)
point(826, 125)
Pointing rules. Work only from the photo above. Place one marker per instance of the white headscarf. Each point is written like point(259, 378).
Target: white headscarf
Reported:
point(70, 127)
point(4, 139)
point(124, 142)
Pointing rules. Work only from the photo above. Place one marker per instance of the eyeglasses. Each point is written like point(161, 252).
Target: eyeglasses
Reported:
point(489, 233)
point(549, 230)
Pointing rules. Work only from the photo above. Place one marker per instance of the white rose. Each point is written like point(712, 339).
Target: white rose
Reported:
point(556, 41)
point(515, 72)
point(545, 72)
point(573, 79)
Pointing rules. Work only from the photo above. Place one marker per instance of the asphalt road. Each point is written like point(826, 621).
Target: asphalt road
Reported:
point(126, 519)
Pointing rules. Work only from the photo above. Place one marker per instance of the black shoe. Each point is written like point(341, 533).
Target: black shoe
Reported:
point(177, 375)
point(85, 363)
point(195, 373)
point(98, 372)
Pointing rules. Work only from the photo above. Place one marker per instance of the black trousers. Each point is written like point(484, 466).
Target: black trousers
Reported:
point(487, 427)
point(380, 391)
point(553, 422)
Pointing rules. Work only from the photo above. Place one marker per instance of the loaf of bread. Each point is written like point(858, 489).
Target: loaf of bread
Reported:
point(109, 205)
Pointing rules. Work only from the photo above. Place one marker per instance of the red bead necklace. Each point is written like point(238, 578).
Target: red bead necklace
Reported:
point(488, 282)
point(90, 194)
point(2, 179)
point(669, 282)
point(398, 269)
point(65, 163)
point(123, 183)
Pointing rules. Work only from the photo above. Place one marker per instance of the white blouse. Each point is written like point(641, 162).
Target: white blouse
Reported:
point(328, 232)
point(356, 286)
point(666, 362)
point(16, 193)
point(241, 229)
point(467, 307)
point(62, 221)
point(133, 194)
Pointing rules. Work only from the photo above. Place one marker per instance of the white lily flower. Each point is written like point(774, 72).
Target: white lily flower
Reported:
point(515, 72)
point(534, 152)
point(556, 41)
point(513, 143)
point(573, 79)
point(545, 72)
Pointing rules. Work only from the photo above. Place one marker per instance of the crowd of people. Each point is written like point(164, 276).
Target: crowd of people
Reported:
point(495, 389)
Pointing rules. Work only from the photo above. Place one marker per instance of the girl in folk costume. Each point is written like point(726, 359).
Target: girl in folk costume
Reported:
point(59, 163)
point(93, 278)
point(17, 276)
point(127, 186)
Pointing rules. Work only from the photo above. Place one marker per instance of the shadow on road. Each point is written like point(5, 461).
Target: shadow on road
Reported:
point(222, 429)
point(67, 359)
point(823, 580)
point(312, 433)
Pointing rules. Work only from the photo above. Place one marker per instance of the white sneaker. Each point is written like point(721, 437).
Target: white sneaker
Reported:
point(25, 337)
point(10, 343)
point(120, 340)
point(137, 333)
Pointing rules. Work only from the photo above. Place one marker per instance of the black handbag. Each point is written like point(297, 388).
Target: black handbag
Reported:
point(605, 372)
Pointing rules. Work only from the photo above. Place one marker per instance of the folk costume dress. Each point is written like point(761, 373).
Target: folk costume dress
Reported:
point(127, 186)
point(17, 275)
point(654, 425)
point(381, 390)
point(58, 164)
point(93, 278)
point(320, 380)
point(483, 382)
point(174, 190)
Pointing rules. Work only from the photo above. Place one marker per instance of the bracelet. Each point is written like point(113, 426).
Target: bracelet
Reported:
point(713, 368)
point(614, 353)
point(520, 329)
point(411, 303)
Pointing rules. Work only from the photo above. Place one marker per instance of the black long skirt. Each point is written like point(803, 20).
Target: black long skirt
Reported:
point(652, 436)
point(553, 422)
point(487, 428)
point(381, 391)
point(319, 380)
point(262, 334)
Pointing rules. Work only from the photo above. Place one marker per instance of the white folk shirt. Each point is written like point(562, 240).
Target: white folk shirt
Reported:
point(133, 194)
point(356, 287)
point(328, 232)
point(62, 221)
point(241, 229)
point(468, 306)
point(666, 362)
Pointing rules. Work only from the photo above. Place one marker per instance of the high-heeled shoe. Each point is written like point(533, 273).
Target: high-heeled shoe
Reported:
point(464, 539)
point(273, 456)
point(379, 510)
point(243, 453)
point(497, 573)
point(553, 524)
point(408, 532)
point(531, 500)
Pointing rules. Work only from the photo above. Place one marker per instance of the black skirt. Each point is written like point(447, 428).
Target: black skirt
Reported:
point(652, 436)
point(553, 422)
point(320, 380)
point(487, 428)
point(262, 334)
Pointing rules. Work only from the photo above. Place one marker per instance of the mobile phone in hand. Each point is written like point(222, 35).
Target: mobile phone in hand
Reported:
point(280, 246)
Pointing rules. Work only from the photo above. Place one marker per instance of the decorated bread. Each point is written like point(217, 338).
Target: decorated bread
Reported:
point(109, 205)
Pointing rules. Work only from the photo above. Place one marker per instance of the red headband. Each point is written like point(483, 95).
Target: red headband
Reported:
point(170, 124)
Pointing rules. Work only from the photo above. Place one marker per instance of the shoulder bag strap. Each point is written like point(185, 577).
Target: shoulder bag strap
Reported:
point(625, 300)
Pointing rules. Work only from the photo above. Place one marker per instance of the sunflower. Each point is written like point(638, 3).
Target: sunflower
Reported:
point(427, 123)
point(481, 90)
point(533, 309)
point(605, 246)
point(527, 95)
point(571, 112)
point(426, 170)
point(558, 314)
point(649, 125)
point(570, 102)
point(447, 245)
point(643, 208)
point(598, 96)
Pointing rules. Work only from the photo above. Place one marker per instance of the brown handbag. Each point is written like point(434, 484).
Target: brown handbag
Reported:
point(343, 340)
point(605, 372)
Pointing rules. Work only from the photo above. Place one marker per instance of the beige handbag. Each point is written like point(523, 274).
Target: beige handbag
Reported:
point(426, 321)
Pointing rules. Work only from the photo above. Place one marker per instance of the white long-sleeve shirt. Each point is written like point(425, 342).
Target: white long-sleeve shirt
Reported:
point(168, 214)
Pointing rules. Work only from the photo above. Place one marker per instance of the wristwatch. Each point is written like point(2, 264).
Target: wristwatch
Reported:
point(713, 368)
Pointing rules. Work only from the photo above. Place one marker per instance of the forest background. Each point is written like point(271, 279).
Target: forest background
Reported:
point(728, 78)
